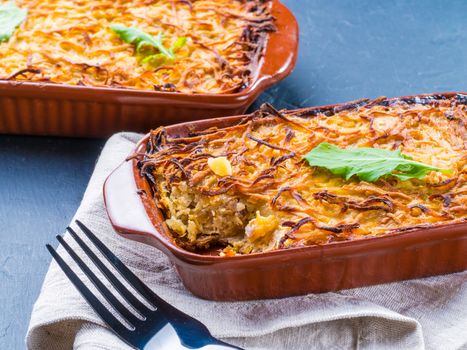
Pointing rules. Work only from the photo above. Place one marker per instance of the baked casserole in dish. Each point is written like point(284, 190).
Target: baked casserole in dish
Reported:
point(205, 46)
point(339, 189)
point(195, 58)
point(249, 188)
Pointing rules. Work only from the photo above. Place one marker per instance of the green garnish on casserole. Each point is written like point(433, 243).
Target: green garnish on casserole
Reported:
point(284, 179)
point(368, 164)
point(151, 48)
point(11, 17)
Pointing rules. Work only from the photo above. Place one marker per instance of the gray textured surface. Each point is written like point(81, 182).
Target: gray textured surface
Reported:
point(348, 50)
point(41, 184)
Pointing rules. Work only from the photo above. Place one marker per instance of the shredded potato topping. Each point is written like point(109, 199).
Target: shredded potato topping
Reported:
point(70, 42)
point(273, 199)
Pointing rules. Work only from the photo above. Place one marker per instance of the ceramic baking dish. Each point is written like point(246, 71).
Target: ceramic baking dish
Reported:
point(52, 109)
point(338, 265)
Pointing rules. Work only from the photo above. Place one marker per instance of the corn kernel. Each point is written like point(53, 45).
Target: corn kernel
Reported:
point(220, 166)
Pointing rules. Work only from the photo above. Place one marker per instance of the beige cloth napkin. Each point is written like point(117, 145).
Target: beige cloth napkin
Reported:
point(426, 313)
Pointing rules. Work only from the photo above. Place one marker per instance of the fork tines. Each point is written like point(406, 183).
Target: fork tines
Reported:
point(131, 319)
point(140, 327)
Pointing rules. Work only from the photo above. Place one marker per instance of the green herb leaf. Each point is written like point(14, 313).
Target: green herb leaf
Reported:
point(155, 60)
point(178, 44)
point(142, 40)
point(11, 17)
point(369, 164)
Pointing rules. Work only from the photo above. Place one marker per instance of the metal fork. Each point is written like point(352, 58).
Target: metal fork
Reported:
point(161, 327)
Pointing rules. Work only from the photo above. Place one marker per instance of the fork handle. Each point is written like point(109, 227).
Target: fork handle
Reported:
point(181, 347)
point(220, 345)
point(172, 342)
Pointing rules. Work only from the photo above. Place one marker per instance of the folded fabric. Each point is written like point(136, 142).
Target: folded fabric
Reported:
point(426, 313)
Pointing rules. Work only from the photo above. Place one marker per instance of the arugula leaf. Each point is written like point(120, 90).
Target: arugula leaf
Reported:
point(141, 40)
point(11, 17)
point(178, 44)
point(368, 164)
point(156, 60)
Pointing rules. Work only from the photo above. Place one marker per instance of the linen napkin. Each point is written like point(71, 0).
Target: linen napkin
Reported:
point(425, 313)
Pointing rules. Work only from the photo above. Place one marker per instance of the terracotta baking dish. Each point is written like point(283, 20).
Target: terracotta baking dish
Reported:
point(334, 266)
point(51, 109)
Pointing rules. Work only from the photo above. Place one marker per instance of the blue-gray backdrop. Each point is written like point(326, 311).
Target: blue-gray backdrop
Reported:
point(348, 50)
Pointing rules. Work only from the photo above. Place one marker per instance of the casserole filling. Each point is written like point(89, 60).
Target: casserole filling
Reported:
point(206, 46)
point(247, 188)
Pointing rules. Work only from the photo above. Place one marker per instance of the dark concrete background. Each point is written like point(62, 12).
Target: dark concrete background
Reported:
point(348, 50)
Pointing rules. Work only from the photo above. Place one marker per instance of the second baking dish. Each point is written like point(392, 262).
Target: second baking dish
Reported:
point(45, 108)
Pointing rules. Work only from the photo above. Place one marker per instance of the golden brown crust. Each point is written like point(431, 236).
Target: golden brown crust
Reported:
point(70, 42)
point(312, 206)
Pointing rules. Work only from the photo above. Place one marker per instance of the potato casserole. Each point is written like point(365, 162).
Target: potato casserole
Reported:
point(188, 46)
point(247, 188)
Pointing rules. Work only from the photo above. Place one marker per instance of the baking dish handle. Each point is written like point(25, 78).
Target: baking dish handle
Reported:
point(281, 49)
point(124, 205)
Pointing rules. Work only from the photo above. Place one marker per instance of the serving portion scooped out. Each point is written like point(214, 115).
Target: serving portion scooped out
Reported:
point(264, 183)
